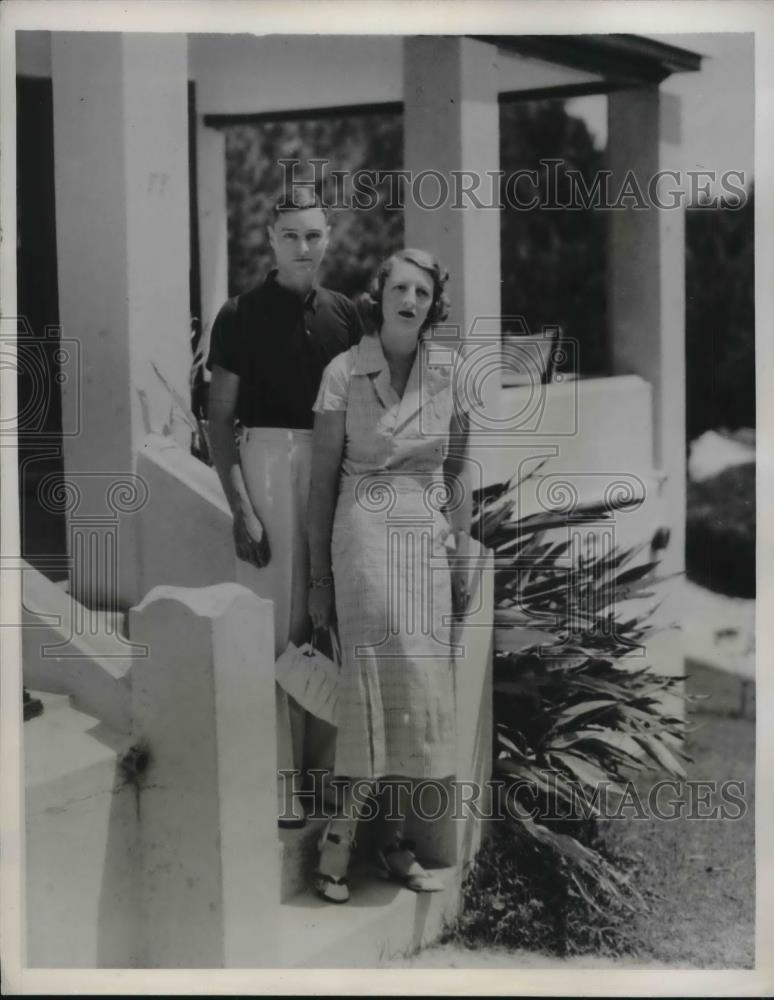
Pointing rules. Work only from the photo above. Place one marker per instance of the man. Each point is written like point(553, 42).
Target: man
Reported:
point(268, 350)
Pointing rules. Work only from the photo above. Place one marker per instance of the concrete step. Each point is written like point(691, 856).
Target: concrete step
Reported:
point(79, 630)
point(52, 702)
point(66, 751)
point(112, 623)
point(298, 857)
point(81, 848)
point(381, 921)
point(67, 649)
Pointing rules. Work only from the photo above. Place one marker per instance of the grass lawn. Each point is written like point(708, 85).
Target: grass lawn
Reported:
point(702, 869)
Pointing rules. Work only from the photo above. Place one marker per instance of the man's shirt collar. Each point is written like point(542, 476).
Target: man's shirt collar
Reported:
point(308, 302)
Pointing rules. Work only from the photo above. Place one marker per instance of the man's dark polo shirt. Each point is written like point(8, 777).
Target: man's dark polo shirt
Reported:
point(278, 344)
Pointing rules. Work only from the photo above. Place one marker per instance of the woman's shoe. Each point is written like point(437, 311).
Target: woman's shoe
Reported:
point(396, 862)
point(334, 888)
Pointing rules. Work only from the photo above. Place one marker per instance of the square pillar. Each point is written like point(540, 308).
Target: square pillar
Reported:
point(122, 219)
point(451, 150)
point(646, 282)
point(213, 223)
point(646, 308)
point(452, 144)
point(451, 124)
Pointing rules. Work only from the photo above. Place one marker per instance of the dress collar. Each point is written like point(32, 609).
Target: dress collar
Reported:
point(425, 380)
point(369, 356)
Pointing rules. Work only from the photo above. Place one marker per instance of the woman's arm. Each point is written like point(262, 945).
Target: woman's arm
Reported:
point(252, 546)
point(457, 473)
point(459, 482)
point(327, 451)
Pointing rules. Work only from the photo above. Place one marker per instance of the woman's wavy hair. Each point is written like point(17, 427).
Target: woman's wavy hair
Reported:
point(370, 302)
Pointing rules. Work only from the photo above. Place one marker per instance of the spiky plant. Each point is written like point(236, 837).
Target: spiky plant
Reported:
point(197, 422)
point(578, 707)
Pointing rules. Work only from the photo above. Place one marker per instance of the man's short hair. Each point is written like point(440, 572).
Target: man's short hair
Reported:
point(297, 196)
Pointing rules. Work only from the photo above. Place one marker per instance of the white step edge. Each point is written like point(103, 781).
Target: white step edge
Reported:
point(382, 920)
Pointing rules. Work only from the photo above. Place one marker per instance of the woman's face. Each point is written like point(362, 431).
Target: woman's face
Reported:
point(406, 299)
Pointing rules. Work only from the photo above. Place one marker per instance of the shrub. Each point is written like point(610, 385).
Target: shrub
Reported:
point(575, 713)
point(548, 893)
point(720, 532)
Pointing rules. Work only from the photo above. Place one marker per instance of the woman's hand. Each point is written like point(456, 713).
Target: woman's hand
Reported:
point(460, 571)
point(320, 606)
point(250, 539)
point(460, 593)
point(458, 477)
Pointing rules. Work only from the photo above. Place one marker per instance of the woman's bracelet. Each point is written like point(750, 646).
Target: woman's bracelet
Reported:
point(318, 582)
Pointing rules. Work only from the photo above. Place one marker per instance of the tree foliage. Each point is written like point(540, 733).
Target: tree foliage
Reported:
point(553, 261)
point(359, 239)
point(720, 532)
point(720, 318)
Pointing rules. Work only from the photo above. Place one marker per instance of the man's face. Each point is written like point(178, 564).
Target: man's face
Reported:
point(299, 240)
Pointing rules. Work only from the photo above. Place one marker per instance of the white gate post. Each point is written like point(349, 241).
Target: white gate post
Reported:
point(203, 712)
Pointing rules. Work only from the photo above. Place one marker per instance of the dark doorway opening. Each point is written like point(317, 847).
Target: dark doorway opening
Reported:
point(43, 532)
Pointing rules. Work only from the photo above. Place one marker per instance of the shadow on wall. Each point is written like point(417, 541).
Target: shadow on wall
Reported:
point(118, 920)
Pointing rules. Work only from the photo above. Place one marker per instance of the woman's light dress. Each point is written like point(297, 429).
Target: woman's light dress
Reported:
point(392, 582)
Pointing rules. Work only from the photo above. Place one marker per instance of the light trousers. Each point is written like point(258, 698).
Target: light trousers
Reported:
point(276, 466)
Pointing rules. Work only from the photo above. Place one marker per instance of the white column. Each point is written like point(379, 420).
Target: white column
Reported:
point(213, 223)
point(451, 124)
point(646, 310)
point(646, 284)
point(451, 129)
point(121, 173)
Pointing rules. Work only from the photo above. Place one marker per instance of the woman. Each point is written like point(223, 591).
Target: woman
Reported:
point(388, 450)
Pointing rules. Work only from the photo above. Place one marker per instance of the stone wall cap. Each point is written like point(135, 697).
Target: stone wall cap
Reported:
point(206, 602)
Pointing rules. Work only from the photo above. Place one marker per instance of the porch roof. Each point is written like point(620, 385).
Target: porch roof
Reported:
point(621, 60)
point(529, 67)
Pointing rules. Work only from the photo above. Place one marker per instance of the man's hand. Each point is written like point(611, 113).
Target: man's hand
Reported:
point(250, 539)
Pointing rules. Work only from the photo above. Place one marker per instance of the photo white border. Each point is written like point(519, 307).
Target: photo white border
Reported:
point(395, 17)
